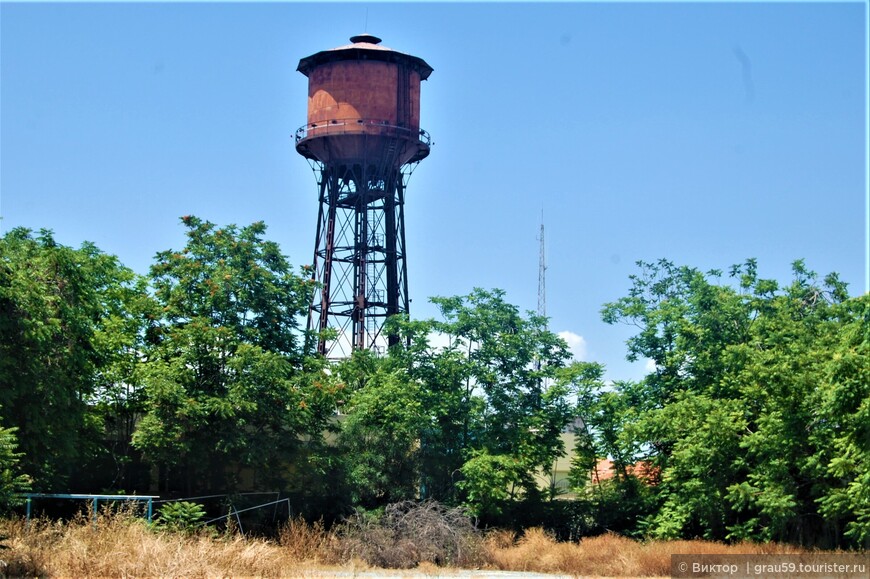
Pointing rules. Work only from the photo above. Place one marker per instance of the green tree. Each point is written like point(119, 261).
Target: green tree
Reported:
point(381, 433)
point(491, 481)
point(118, 399)
point(453, 408)
point(595, 432)
point(734, 413)
point(226, 380)
point(494, 397)
point(12, 481)
point(65, 318)
point(616, 501)
point(780, 374)
point(842, 427)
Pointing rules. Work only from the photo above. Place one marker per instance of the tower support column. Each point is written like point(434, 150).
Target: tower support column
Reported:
point(359, 256)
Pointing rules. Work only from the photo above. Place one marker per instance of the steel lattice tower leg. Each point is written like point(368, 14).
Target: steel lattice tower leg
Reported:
point(359, 257)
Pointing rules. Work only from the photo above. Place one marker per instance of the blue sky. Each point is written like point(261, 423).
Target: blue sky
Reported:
point(701, 133)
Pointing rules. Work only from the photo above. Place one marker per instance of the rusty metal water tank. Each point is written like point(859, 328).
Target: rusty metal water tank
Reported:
point(363, 105)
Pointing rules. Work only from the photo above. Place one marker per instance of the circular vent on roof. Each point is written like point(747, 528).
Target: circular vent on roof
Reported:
point(365, 38)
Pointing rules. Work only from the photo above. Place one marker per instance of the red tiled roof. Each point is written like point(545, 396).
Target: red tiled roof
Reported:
point(643, 469)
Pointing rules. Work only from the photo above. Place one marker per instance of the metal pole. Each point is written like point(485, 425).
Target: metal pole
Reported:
point(150, 507)
point(239, 521)
point(27, 510)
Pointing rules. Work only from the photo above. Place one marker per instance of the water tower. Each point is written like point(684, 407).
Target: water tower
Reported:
point(363, 140)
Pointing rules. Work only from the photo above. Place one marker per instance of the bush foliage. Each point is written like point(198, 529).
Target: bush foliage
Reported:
point(200, 379)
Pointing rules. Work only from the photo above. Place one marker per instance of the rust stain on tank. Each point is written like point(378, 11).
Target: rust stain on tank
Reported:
point(358, 93)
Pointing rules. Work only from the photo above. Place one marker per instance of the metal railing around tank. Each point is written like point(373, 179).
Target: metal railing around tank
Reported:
point(356, 126)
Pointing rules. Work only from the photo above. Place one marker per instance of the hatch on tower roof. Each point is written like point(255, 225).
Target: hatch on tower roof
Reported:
point(365, 37)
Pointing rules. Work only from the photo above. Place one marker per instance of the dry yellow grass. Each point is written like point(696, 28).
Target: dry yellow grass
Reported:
point(306, 543)
point(606, 555)
point(123, 546)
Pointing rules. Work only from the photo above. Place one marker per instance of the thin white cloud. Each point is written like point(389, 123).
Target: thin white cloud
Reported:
point(576, 343)
point(650, 366)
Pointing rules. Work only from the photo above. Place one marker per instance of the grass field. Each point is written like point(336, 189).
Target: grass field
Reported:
point(123, 546)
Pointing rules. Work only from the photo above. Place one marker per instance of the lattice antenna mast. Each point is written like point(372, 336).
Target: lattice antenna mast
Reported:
point(542, 273)
point(542, 282)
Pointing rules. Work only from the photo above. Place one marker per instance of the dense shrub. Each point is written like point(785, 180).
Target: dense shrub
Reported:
point(181, 517)
point(408, 533)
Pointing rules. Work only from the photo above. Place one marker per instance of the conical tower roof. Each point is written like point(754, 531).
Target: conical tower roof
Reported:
point(364, 47)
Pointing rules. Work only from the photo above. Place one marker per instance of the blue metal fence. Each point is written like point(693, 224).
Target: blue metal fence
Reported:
point(28, 499)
